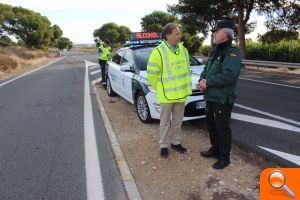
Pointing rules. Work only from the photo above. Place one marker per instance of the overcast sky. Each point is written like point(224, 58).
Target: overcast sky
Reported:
point(78, 19)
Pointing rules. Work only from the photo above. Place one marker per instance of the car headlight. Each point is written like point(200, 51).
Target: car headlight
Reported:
point(151, 89)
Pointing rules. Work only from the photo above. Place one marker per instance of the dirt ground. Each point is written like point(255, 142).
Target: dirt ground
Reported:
point(180, 177)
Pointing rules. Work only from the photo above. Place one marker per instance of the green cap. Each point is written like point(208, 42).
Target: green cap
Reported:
point(223, 24)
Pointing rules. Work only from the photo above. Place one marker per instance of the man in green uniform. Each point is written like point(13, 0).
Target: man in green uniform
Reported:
point(104, 51)
point(219, 83)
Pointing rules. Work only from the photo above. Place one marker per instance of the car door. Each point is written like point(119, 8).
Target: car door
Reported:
point(127, 76)
point(114, 72)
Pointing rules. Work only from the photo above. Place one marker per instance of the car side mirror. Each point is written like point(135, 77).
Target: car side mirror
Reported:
point(126, 68)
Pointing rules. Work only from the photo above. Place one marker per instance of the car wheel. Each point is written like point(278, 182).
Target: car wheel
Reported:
point(109, 90)
point(142, 108)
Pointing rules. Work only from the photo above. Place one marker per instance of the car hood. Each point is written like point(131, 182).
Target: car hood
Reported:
point(196, 72)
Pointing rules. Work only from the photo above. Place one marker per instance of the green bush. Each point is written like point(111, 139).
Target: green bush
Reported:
point(205, 50)
point(284, 51)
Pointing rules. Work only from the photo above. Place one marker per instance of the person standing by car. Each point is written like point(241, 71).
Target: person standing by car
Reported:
point(169, 73)
point(105, 51)
point(219, 83)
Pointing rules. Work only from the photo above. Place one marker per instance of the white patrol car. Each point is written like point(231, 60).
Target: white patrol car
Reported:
point(126, 76)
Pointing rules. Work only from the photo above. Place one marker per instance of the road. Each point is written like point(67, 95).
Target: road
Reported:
point(53, 144)
point(266, 116)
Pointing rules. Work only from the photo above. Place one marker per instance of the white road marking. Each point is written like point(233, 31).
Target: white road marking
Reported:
point(290, 157)
point(268, 114)
point(94, 67)
point(95, 72)
point(248, 79)
point(265, 122)
point(92, 165)
point(96, 81)
point(2, 84)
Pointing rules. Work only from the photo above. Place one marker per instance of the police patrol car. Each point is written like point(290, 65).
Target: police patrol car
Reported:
point(126, 76)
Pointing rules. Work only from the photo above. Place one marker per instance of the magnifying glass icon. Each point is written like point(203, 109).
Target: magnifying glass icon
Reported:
point(277, 180)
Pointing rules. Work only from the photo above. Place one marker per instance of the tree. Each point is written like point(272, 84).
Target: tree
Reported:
point(192, 43)
point(6, 13)
point(282, 14)
point(64, 43)
point(27, 25)
point(5, 41)
point(156, 21)
point(124, 34)
point(275, 36)
point(116, 34)
point(203, 13)
point(57, 33)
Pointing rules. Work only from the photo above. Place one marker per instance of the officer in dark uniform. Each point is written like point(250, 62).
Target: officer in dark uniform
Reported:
point(219, 83)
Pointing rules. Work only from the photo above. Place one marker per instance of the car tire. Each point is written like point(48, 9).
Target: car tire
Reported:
point(109, 90)
point(142, 108)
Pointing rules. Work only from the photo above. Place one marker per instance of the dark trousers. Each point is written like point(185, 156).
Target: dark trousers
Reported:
point(218, 119)
point(102, 64)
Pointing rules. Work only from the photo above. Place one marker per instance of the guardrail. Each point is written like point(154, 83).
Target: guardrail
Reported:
point(260, 63)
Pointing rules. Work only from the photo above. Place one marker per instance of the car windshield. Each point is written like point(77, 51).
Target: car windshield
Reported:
point(142, 56)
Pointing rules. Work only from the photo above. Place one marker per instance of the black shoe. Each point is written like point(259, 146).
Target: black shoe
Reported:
point(221, 163)
point(209, 154)
point(179, 148)
point(164, 153)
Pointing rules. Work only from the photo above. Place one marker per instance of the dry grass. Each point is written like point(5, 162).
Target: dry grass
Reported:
point(17, 60)
point(7, 63)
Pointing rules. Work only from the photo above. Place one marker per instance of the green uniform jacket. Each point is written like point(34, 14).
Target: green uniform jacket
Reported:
point(221, 73)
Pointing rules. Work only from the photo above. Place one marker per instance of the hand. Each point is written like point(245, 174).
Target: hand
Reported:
point(201, 85)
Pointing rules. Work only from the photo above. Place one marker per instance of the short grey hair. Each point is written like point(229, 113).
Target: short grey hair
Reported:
point(168, 28)
point(229, 31)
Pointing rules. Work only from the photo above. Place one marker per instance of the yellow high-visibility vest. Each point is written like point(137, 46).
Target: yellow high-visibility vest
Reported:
point(169, 73)
point(105, 52)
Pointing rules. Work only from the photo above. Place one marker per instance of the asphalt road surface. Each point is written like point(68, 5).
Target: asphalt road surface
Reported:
point(53, 144)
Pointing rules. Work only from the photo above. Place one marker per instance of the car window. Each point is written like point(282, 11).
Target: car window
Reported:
point(142, 56)
point(194, 61)
point(128, 59)
point(117, 57)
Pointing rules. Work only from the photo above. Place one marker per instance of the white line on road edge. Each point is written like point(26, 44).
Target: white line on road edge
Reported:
point(94, 67)
point(128, 180)
point(92, 165)
point(95, 72)
point(265, 122)
point(290, 157)
point(268, 114)
point(2, 84)
point(248, 79)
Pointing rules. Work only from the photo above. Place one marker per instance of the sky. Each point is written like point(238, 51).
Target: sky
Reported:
point(78, 19)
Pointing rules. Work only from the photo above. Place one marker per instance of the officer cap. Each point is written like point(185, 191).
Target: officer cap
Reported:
point(223, 24)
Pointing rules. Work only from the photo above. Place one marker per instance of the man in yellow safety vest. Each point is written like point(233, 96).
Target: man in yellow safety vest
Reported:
point(169, 73)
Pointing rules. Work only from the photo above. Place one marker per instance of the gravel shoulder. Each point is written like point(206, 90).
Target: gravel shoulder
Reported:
point(180, 176)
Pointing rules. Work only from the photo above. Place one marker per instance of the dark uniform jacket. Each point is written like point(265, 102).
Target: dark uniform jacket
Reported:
point(221, 73)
